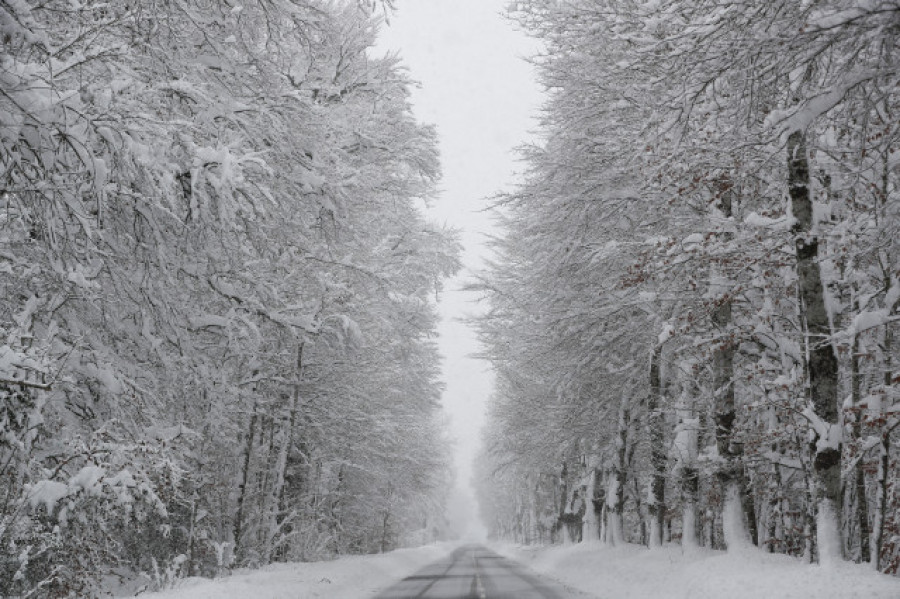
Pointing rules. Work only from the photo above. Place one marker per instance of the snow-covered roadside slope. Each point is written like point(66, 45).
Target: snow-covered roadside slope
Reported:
point(634, 572)
point(355, 577)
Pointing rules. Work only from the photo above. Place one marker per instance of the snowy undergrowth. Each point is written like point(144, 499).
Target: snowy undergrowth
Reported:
point(353, 577)
point(634, 572)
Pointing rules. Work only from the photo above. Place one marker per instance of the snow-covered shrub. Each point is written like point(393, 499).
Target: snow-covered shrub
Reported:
point(73, 522)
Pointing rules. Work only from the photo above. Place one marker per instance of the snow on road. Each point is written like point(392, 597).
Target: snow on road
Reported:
point(629, 572)
point(355, 577)
point(634, 572)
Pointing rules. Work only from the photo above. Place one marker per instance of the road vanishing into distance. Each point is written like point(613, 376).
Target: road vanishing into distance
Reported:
point(476, 572)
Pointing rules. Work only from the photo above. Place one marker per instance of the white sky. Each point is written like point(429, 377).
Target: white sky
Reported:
point(482, 96)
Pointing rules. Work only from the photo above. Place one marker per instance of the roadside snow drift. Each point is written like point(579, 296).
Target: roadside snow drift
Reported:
point(634, 572)
point(345, 578)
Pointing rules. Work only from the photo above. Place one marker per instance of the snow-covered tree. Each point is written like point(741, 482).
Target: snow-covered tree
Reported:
point(709, 208)
point(213, 259)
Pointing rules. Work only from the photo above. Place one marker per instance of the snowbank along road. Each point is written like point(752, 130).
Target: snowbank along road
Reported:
point(475, 572)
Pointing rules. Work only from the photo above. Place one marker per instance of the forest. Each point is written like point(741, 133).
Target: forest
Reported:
point(217, 286)
point(693, 303)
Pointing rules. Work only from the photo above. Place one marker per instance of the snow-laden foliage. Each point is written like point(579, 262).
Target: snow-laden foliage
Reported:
point(695, 299)
point(212, 262)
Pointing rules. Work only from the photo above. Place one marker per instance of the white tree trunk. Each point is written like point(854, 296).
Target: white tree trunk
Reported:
point(686, 450)
point(736, 537)
point(615, 492)
point(590, 526)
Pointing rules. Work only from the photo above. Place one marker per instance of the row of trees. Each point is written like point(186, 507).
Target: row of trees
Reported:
point(216, 312)
point(694, 305)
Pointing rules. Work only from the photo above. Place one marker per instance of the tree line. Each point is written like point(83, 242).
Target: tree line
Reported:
point(216, 299)
point(694, 302)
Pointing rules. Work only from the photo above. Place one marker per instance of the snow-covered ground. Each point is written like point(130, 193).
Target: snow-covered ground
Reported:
point(355, 577)
point(629, 572)
point(634, 572)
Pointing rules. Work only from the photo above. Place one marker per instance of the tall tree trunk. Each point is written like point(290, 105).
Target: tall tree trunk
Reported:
point(884, 455)
point(690, 489)
point(881, 492)
point(335, 515)
point(386, 520)
point(862, 506)
point(604, 512)
point(749, 506)
point(561, 525)
point(658, 457)
point(823, 365)
point(519, 522)
point(635, 485)
point(274, 516)
point(686, 441)
point(532, 522)
point(268, 504)
point(730, 474)
point(277, 510)
point(809, 514)
point(590, 531)
point(618, 478)
point(242, 489)
point(292, 423)
point(190, 565)
point(774, 520)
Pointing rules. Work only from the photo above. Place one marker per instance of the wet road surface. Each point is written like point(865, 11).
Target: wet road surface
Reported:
point(476, 572)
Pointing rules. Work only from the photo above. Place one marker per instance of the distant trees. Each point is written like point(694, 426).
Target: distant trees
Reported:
point(706, 276)
point(213, 263)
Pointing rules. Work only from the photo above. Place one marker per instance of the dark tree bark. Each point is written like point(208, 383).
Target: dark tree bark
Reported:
point(245, 477)
point(822, 368)
point(749, 506)
point(386, 526)
point(741, 525)
point(658, 457)
point(690, 495)
point(884, 458)
point(563, 500)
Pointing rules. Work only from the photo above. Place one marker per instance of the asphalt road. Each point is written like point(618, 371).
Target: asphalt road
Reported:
point(476, 572)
